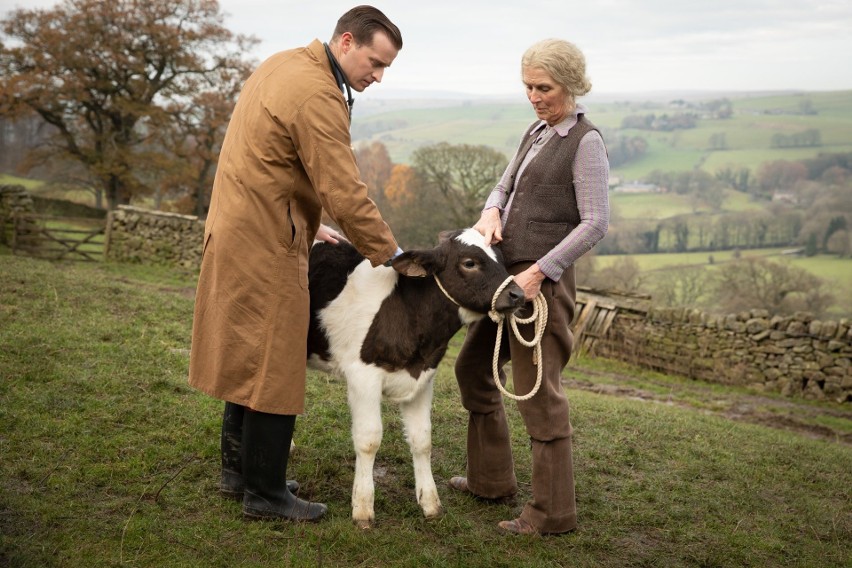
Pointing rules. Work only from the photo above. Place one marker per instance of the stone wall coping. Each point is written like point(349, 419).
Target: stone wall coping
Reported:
point(152, 212)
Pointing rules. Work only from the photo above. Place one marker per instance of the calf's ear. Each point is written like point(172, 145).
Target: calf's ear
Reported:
point(445, 236)
point(415, 263)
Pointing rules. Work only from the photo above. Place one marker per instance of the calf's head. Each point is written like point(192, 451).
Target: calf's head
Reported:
point(469, 271)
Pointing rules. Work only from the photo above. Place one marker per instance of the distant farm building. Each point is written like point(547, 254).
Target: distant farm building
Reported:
point(637, 187)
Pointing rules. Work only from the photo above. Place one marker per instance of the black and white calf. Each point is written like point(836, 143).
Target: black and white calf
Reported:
point(386, 333)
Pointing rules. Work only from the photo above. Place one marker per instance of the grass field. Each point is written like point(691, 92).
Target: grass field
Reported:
point(108, 458)
point(748, 133)
point(29, 184)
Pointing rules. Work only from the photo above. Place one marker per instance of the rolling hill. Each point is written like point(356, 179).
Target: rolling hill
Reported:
point(405, 125)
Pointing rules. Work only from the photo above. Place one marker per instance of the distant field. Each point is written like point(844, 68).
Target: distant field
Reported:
point(664, 205)
point(748, 133)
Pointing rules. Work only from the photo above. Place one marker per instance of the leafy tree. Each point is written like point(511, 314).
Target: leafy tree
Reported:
point(780, 175)
point(840, 243)
point(825, 161)
point(105, 76)
point(836, 224)
point(806, 106)
point(718, 141)
point(17, 136)
point(416, 214)
point(463, 174)
point(681, 233)
point(806, 138)
point(375, 166)
point(719, 108)
point(827, 210)
point(736, 179)
point(399, 189)
point(622, 149)
point(811, 248)
point(664, 122)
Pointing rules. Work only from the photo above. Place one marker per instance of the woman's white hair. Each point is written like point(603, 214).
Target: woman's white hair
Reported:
point(563, 61)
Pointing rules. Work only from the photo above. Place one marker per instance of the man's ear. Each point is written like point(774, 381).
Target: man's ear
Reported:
point(415, 263)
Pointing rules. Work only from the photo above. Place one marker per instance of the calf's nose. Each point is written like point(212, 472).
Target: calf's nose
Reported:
point(516, 296)
point(510, 299)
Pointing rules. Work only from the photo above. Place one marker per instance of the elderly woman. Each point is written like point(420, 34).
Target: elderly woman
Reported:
point(549, 208)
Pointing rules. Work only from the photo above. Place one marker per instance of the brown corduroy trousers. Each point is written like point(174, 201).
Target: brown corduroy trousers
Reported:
point(490, 468)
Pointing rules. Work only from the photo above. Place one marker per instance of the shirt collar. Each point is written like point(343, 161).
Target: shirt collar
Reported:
point(563, 127)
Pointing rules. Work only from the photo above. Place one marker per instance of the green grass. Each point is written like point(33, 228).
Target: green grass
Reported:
point(649, 205)
point(30, 184)
point(657, 206)
point(108, 458)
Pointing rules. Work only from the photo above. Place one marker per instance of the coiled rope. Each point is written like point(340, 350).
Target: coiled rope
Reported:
point(538, 316)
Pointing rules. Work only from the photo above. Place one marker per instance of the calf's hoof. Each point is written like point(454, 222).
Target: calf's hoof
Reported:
point(436, 513)
point(432, 510)
point(363, 524)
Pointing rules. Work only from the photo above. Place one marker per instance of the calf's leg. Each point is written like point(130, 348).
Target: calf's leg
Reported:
point(416, 415)
point(365, 406)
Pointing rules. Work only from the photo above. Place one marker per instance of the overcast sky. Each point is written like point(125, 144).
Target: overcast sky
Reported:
point(631, 46)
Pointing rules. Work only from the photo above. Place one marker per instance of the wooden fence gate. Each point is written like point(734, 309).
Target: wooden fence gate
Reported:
point(58, 238)
point(596, 310)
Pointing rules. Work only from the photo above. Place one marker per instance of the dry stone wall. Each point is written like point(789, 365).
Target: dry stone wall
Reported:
point(795, 355)
point(14, 200)
point(142, 236)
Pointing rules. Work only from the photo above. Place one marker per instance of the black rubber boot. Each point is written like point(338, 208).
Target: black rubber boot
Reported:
point(232, 485)
point(266, 450)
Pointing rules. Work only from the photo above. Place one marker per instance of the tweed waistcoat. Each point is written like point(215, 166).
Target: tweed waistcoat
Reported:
point(544, 207)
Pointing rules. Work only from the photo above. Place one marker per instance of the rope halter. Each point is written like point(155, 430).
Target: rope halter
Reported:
point(539, 318)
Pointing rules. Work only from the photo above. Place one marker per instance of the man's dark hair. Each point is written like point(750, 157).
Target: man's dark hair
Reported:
point(363, 22)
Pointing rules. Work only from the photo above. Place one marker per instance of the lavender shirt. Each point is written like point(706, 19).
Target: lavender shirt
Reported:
point(591, 182)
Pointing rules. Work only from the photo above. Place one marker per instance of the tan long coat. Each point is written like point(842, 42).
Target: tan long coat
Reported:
point(286, 157)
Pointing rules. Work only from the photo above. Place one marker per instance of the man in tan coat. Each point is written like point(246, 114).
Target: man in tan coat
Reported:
point(286, 158)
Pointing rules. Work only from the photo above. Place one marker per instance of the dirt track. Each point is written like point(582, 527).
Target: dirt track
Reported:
point(783, 413)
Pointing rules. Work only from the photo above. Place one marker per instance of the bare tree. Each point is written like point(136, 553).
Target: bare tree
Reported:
point(684, 286)
point(462, 174)
point(775, 286)
point(103, 74)
point(193, 134)
point(623, 275)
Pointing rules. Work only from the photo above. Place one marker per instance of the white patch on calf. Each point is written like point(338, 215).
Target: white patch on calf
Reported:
point(474, 238)
point(469, 316)
point(347, 319)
